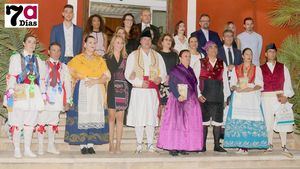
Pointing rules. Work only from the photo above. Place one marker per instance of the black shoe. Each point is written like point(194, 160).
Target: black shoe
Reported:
point(220, 149)
point(173, 153)
point(91, 150)
point(183, 153)
point(84, 150)
point(203, 150)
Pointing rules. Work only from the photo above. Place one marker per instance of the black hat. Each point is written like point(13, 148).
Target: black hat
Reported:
point(146, 33)
point(271, 46)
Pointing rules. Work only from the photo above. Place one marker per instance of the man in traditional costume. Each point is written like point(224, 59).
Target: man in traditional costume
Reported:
point(58, 91)
point(24, 95)
point(277, 89)
point(145, 70)
point(213, 90)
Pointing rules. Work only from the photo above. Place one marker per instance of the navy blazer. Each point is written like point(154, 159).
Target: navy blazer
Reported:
point(237, 56)
point(213, 36)
point(57, 35)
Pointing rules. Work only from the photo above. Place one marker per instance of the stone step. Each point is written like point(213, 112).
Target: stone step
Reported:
point(128, 160)
point(127, 144)
point(128, 132)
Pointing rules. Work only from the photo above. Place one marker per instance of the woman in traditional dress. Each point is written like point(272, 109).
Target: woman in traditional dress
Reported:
point(118, 96)
point(171, 59)
point(95, 27)
point(86, 124)
point(245, 126)
point(181, 128)
point(25, 94)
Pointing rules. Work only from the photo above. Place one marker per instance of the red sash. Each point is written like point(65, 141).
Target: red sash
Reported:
point(152, 85)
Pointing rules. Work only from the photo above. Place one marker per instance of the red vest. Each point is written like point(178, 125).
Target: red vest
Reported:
point(250, 74)
point(211, 80)
point(209, 72)
point(273, 81)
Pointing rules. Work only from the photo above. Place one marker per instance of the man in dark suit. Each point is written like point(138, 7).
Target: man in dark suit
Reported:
point(231, 56)
point(68, 35)
point(145, 22)
point(204, 34)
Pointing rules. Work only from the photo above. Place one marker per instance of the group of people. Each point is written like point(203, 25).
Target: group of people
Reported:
point(183, 85)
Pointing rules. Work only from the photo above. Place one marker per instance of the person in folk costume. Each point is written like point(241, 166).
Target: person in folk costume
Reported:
point(25, 94)
point(245, 126)
point(86, 124)
point(145, 70)
point(277, 89)
point(58, 90)
point(213, 90)
point(181, 129)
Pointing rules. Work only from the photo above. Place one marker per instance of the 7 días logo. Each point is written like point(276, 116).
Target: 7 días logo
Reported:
point(21, 15)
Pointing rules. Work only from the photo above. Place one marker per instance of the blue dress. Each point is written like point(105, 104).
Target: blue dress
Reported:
point(244, 133)
point(75, 136)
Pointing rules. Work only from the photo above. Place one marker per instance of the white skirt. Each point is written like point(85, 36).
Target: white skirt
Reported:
point(58, 104)
point(25, 111)
point(143, 107)
point(30, 104)
point(270, 105)
point(48, 117)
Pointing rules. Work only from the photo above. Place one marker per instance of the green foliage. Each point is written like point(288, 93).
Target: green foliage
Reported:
point(287, 14)
point(289, 54)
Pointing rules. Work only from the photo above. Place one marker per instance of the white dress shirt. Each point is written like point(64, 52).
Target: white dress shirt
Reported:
point(206, 34)
point(254, 42)
point(258, 79)
point(130, 65)
point(68, 32)
point(145, 26)
point(195, 58)
point(226, 53)
point(180, 46)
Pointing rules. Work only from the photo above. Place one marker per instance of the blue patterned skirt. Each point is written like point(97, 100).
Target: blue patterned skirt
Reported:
point(244, 133)
point(75, 136)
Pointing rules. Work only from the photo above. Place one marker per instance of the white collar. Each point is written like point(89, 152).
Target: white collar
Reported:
point(65, 27)
point(52, 60)
point(271, 64)
point(226, 47)
point(145, 24)
point(213, 63)
point(204, 30)
point(252, 33)
point(26, 53)
point(144, 53)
